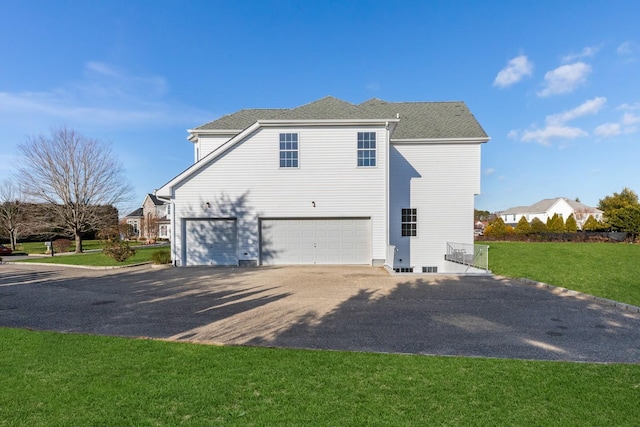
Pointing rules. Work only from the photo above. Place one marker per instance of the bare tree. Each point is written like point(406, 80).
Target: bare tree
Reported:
point(12, 211)
point(75, 176)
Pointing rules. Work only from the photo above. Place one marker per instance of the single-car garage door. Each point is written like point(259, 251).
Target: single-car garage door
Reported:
point(315, 241)
point(211, 242)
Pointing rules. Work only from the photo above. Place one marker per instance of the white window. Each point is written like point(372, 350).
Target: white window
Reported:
point(366, 149)
point(288, 150)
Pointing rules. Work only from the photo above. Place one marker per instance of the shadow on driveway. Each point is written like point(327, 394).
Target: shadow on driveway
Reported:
point(337, 308)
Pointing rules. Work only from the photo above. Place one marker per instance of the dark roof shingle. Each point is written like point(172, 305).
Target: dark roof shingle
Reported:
point(418, 120)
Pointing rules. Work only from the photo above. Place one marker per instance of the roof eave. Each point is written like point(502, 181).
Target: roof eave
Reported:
point(195, 133)
point(324, 122)
point(474, 140)
point(167, 189)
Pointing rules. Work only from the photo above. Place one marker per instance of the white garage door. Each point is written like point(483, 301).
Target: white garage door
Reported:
point(211, 242)
point(316, 241)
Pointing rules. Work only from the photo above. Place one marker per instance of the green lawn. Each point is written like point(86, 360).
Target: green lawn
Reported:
point(97, 259)
point(607, 270)
point(51, 379)
point(40, 248)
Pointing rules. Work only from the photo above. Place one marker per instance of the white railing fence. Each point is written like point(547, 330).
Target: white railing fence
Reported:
point(471, 255)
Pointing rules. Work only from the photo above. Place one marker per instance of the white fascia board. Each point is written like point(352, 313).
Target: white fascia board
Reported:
point(440, 140)
point(194, 134)
point(326, 122)
point(166, 190)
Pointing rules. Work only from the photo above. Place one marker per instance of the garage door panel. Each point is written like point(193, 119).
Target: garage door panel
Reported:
point(316, 241)
point(211, 242)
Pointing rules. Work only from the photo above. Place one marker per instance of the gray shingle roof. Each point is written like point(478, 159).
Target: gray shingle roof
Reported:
point(242, 119)
point(429, 119)
point(418, 120)
point(136, 213)
point(545, 204)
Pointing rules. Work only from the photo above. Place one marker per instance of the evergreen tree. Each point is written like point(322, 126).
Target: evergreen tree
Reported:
point(592, 224)
point(537, 226)
point(557, 224)
point(496, 229)
point(523, 226)
point(571, 226)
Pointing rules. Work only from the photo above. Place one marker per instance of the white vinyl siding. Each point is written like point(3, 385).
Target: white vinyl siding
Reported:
point(247, 183)
point(208, 143)
point(440, 181)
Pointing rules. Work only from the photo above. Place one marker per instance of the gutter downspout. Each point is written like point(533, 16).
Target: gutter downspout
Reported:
point(386, 195)
point(172, 240)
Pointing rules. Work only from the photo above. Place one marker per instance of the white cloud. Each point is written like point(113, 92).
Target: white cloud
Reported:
point(608, 129)
point(587, 52)
point(629, 119)
point(631, 107)
point(513, 134)
point(544, 136)
point(517, 68)
point(591, 106)
point(628, 48)
point(105, 97)
point(555, 124)
point(565, 79)
point(489, 171)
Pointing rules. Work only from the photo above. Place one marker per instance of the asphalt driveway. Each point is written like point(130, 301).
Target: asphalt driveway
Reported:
point(339, 308)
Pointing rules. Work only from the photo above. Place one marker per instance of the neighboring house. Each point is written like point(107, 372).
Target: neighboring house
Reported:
point(156, 223)
point(545, 209)
point(379, 183)
point(151, 221)
point(134, 219)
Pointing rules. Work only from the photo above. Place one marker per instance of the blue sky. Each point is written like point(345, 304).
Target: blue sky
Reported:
point(555, 84)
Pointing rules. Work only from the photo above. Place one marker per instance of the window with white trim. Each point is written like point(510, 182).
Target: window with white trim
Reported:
point(288, 150)
point(409, 222)
point(366, 149)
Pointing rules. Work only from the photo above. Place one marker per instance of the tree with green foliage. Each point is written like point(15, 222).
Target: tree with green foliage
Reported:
point(622, 211)
point(556, 224)
point(626, 219)
point(571, 226)
point(479, 215)
point(592, 224)
point(523, 227)
point(537, 226)
point(496, 229)
point(626, 197)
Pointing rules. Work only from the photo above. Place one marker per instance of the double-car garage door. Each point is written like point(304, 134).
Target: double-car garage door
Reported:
point(315, 241)
point(282, 241)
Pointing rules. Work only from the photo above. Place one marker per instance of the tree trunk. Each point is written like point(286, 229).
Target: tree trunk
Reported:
point(78, 242)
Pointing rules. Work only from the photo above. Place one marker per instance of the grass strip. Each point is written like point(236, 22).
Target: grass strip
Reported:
point(56, 379)
point(607, 270)
point(97, 259)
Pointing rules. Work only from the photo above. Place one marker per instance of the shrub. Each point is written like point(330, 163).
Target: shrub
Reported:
point(161, 256)
point(537, 226)
point(523, 226)
point(62, 245)
point(571, 226)
point(496, 229)
point(118, 250)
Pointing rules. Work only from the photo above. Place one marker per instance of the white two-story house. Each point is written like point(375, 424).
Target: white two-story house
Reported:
point(379, 183)
point(545, 209)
